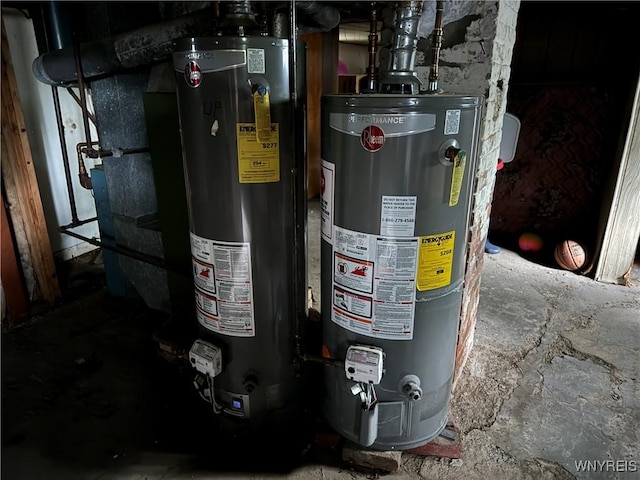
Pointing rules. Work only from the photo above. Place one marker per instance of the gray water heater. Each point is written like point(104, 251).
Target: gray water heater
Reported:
point(397, 177)
point(245, 184)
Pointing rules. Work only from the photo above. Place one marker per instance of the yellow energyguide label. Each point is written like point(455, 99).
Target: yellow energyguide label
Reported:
point(258, 161)
point(459, 163)
point(435, 261)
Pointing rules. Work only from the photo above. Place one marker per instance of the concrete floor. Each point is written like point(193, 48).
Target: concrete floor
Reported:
point(552, 380)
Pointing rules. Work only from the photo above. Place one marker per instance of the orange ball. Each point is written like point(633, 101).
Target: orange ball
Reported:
point(530, 242)
point(570, 255)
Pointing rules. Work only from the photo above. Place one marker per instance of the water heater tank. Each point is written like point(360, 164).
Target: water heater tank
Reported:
point(246, 198)
point(397, 179)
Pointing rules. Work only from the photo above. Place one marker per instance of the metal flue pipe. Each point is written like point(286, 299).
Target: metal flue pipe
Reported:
point(401, 76)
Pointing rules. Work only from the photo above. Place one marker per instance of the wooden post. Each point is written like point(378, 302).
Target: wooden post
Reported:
point(622, 229)
point(21, 185)
point(321, 76)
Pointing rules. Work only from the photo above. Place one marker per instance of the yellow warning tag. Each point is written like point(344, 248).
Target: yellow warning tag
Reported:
point(435, 261)
point(263, 115)
point(459, 163)
point(258, 161)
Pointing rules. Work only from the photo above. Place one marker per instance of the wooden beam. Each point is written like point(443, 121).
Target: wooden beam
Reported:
point(622, 230)
point(21, 185)
point(321, 75)
point(14, 290)
point(314, 93)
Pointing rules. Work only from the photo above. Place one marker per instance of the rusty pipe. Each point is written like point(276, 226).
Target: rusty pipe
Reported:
point(85, 110)
point(83, 175)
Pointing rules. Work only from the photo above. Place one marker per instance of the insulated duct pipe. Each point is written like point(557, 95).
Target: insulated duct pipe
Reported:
point(143, 46)
point(326, 17)
point(401, 76)
point(149, 44)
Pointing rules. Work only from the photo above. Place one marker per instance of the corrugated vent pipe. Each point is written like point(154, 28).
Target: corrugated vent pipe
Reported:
point(401, 76)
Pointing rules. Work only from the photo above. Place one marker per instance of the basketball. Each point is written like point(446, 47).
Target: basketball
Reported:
point(570, 255)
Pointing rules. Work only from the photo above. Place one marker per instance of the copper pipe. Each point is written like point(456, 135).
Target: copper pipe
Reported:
point(82, 91)
point(89, 151)
point(370, 84)
point(373, 41)
point(85, 179)
point(437, 45)
point(91, 116)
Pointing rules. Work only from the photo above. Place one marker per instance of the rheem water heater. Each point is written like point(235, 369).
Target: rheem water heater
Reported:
point(398, 171)
point(246, 200)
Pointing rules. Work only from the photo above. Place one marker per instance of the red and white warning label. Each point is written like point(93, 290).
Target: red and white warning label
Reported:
point(353, 273)
point(353, 303)
point(223, 286)
point(374, 282)
point(203, 276)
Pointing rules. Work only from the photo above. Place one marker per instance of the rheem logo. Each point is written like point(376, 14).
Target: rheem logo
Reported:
point(192, 74)
point(372, 138)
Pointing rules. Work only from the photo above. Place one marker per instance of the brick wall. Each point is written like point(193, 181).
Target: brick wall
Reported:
point(479, 64)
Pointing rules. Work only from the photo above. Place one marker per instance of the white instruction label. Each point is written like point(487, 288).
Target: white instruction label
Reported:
point(328, 173)
point(398, 216)
point(374, 283)
point(452, 122)
point(223, 286)
point(255, 60)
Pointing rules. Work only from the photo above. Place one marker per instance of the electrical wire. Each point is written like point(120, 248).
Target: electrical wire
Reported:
point(217, 408)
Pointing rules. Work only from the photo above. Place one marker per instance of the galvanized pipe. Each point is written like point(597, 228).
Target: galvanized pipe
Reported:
point(65, 155)
point(53, 34)
point(127, 252)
